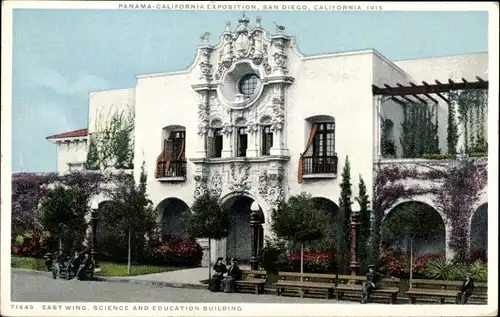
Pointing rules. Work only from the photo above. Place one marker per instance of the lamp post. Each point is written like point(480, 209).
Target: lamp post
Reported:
point(254, 224)
point(355, 217)
point(94, 217)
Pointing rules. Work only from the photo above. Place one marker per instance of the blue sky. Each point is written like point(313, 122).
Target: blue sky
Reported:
point(61, 55)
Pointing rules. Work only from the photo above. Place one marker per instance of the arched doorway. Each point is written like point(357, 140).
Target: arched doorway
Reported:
point(170, 212)
point(240, 238)
point(332, 211)
point(479, 230)
point(416, 224)
point(102, 223)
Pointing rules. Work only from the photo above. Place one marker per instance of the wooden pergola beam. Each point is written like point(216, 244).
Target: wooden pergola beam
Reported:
point(428, 89)
point(441, 96)
point(416, 96)
point(427, 95)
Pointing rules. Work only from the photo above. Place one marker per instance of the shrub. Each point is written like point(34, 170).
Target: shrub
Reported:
point(443, 270)
point(175, 252)
point(479, 255)
point(33, 245)
point(273, 255)
point(315, 261)
point(420, 263)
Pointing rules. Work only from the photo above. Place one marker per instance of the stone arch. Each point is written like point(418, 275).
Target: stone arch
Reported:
point(417, 199)
point(332, 210)
point(418, 218)
point(479, 229)
point(240, 122)
point(216, 122)
point(265, 119)
point(169, 217)
point(320, 118)
point(239, 242)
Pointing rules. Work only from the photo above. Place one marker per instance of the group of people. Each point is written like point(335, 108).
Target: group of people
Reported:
point(224, 279)
point(373, 279)
point(77, 265)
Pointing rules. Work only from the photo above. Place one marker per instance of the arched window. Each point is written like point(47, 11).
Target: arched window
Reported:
point(242, 142)
point(267, 140)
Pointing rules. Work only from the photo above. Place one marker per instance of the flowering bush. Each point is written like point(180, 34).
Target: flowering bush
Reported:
point(314, 262)
point(420, 263)
point(442, 270)
point(32, 245)
point(175, 252)
point(479, 255)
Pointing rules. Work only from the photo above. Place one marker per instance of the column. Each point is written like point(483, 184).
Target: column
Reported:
point(377, 127)
point(227, 141)
point(460, 148)
point(253, 137)
point(255, 225)
point(354, 247)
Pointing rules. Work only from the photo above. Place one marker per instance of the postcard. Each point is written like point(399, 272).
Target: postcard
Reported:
point(230, 158)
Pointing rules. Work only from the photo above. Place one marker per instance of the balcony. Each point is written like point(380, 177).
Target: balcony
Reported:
point(319, 167)
point(171, 171)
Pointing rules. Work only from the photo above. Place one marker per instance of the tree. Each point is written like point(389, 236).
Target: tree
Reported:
point(365, 223)
point(207, 219)
point(299, 220)
point(131, 211)
point(344, 234)
point(62, 213)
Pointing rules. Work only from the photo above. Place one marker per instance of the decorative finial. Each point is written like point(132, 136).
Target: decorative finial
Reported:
point(228, 26)
point(205, 38)
point(279, 28)
point(244, 19)
point(258, 22)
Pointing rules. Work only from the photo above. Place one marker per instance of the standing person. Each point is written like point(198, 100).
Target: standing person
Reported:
point(233, 274)
point(465, 290)
point(215, 281)
point(59, 261)
point(371, 283)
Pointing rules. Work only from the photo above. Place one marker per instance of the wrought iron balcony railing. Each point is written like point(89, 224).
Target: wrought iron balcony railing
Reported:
point(171, 169)
point(319, 165)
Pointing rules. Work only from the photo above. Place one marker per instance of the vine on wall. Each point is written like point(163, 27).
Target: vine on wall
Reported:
point(419, 130)
point(113, 144)
point(458, 186)
point(472, 110)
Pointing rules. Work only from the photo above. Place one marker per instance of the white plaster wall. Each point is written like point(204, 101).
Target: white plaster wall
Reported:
point(386, 72)
point(338, 86)
point(72, 151)
point(163, 100)
point(106, 102)
point(443, 68)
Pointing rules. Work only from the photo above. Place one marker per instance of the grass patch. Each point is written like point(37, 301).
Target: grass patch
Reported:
point(120, 269)
point(21, 262)
point(107, 268)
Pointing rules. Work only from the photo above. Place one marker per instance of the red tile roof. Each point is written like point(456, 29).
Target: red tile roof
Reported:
point(71, 134)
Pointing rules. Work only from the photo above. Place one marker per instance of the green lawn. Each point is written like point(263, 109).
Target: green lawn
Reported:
point(107, 268)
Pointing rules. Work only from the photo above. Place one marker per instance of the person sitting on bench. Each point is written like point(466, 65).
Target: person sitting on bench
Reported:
point(86, 263)
point(465, 290)
point(372, 282)
point(215, 280)
point(233, 274)
point(74, 264)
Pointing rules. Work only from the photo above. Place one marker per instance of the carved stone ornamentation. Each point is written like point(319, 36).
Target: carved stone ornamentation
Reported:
point(278, 110)
point(216, 183)
point(271, 187)
point(252, 127)
point(227, 128)
point(200, 187)
point(240, 174)
point(280, 58)
point(244, 43)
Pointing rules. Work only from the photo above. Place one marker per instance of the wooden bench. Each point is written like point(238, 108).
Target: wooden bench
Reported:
point(353, 285)
point(444, 290)
point(252, 281)
point(302, 284)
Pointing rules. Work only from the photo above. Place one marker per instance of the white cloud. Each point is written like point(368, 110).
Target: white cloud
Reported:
point(79, 85)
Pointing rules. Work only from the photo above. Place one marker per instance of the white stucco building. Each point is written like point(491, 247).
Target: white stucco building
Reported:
point(256, 120)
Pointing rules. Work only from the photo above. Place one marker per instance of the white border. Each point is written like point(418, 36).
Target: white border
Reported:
point(260, 309)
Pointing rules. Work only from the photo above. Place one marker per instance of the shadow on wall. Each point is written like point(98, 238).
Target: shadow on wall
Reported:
point(479, 229)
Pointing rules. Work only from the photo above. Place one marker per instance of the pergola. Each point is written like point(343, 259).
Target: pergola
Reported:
point(413, 93)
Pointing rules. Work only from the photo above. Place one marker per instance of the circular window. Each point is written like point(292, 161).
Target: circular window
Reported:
point(248, 84)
